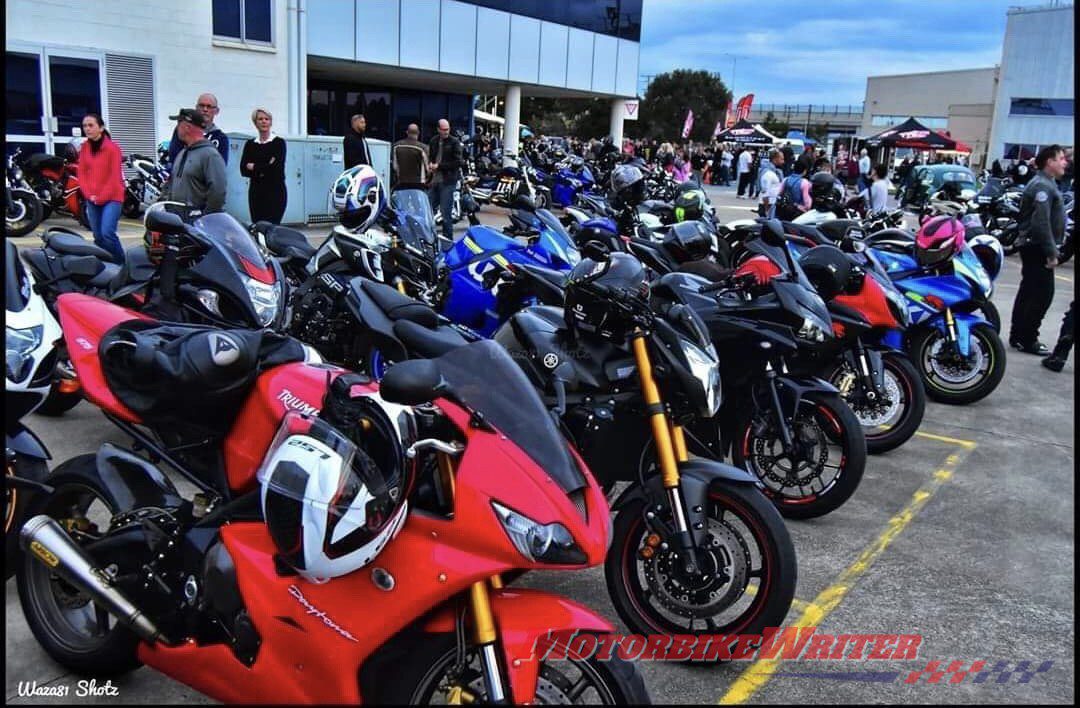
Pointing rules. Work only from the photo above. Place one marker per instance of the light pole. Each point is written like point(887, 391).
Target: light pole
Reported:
point(734, 59)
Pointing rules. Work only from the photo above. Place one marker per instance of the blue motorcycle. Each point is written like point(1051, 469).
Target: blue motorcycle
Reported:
point(957, 351)
point(572, 179)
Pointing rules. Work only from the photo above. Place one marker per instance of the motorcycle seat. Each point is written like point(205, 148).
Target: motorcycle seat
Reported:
point(555, 278)
point(837, 229)
point(283, 241)
point(137, 268)
point(106, 275)
point(811, 233)
point(427, 342)
point(72, 244)
point(397, 306)
point(44, 161)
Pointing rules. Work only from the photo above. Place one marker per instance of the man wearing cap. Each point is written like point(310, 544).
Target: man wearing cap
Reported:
point(198, 174)
point(207, 107)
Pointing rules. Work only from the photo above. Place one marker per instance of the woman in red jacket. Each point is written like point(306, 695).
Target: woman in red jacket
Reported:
point(102, 183)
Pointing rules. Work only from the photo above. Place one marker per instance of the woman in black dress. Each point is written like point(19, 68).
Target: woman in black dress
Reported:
point(263, 161)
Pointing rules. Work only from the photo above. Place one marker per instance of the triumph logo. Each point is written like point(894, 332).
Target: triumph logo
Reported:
point(294, 402)
point(223, 349)
point(312, 610)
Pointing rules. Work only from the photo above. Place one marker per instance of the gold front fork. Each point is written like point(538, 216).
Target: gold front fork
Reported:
point(662, 433)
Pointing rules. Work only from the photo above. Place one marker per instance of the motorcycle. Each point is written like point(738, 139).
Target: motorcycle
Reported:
point(29, 336)
point(122, 570)
point(146, 187)
point(23, 210)
point(998, 206)
point(510, 182)
point(55, 180)
point(958, 352)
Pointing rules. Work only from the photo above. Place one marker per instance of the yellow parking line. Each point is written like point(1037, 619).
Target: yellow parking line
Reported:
point(969, 444)
point(758, 674)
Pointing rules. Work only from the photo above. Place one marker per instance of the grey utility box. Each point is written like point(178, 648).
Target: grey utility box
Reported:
point(311, 166)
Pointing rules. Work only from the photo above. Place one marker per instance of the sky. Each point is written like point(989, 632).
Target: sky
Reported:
point(802, 51)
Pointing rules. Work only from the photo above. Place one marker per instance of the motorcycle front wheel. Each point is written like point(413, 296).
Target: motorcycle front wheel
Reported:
point(24, 213)
point(889, 425)
point(746, 580)
point(830, 463)
point(428, 677)
point(16, 500)
point(951, 378)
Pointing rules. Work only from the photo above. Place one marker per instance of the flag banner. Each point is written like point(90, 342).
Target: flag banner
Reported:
point(688, 125)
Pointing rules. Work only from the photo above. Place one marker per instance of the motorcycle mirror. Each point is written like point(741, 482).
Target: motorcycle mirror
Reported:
point(524, 202)
point(772, 233)
point(596, 251)
point(165, 222)
point(412, 382)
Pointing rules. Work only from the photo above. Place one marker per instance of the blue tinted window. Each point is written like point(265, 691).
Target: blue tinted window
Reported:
point(227, 18)
point(1041, 107)
point(618, 18)
point(23, 82)
point(257, 20)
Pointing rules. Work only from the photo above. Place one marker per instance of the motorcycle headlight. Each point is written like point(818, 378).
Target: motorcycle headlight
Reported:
point(542, 543)
point(20, 344)
point(264, 298)
point(810, 331)
point(704, 365)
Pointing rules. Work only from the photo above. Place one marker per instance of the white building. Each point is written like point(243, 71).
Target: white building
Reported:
point(311, 63)
point(1035, 99)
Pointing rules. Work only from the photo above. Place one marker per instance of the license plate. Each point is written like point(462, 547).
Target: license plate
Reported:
point(506, 186)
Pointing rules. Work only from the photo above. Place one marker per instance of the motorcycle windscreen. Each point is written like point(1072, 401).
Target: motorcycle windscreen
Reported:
point(487, 380)
point(224, 230)
point(416, 220)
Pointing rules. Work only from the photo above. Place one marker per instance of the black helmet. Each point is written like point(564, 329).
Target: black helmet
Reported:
point(602, 230)
point(589, 312)
point(828, 269)
point(688, 241)
point(823, 191)
point(627, 185)
point(690, 204)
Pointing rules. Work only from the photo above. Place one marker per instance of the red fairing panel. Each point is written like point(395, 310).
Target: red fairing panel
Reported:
point(871, 303)
point(84, 320)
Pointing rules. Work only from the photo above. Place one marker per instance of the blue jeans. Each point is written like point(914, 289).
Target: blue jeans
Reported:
point(103, 220)
point(442, 197)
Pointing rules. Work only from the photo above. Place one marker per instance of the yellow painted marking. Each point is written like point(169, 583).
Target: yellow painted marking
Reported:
point(813, 614)
point(969, 444)
point(1062, 277)
point(800, 605)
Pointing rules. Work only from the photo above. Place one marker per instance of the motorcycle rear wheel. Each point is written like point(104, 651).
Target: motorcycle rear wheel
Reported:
point(24, 213)
point(423, 679)
point(73, 631)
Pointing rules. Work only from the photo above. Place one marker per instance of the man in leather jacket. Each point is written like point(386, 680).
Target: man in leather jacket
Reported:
point(446, 154)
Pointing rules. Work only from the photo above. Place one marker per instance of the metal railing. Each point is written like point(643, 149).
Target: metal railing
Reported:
point(779, 109)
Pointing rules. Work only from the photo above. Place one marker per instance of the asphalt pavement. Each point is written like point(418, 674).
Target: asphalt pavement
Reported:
point(963, 536)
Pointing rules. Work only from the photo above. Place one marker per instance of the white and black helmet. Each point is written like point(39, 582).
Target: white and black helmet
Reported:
point(358, 196)
point(329, 508)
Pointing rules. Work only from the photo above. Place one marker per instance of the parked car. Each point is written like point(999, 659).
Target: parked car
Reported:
point(927, 179)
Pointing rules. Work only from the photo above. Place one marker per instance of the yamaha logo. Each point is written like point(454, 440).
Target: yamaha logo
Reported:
point(223, 349)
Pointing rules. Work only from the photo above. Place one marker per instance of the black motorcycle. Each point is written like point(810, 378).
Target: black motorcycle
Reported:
point(22, 206)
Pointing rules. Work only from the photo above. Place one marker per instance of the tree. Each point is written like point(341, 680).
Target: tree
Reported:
point(819, 132)
point(671, 94)
point(779, 128)
point(578, 117)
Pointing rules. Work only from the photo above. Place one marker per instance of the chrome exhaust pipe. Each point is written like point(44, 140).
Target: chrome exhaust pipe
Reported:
point(48, 543)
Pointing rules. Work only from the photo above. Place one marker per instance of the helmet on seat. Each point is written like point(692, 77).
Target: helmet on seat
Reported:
point(329, 509)
point(690, 204)
point(688, 241)
point(627, 186)
point(358, 196)
point(828, 269)
point(823, 192)
point(938, 240)
point(591, 312)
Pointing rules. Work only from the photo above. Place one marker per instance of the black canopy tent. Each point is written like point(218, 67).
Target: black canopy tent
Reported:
point(911, 134)
point(746, 133)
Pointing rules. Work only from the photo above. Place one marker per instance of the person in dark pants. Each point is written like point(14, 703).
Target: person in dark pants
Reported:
point(355, 144)
point(1056, 360)
point(263, 161)
point(1041, 227)
point(445, 167)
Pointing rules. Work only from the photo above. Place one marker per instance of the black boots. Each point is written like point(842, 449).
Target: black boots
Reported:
point(1056, 360)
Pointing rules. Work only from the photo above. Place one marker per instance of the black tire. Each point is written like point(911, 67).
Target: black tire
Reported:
point(752, 611)
point(417, 679)
point(990, 314)
point(57, 403)
point(16, 501)
point(921, 351)
point(110, 653)
point(132, 208)
point(1065, 253)
point(24, 213)
point(835, 423)
point(910, 385)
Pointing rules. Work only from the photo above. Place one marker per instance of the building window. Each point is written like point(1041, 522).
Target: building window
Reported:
point(1041, 107)
point(248, 21)
point(618, 18)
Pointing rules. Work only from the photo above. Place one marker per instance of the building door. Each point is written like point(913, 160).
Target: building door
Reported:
point(48, 93)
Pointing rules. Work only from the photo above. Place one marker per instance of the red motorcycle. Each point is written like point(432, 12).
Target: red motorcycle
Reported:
point(56, 182)
point(121, 570)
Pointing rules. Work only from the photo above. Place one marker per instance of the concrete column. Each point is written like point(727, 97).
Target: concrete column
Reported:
point(616, 125)
point(512, 126)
